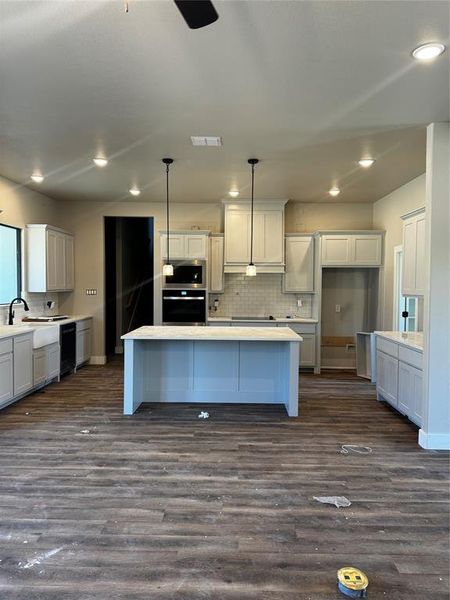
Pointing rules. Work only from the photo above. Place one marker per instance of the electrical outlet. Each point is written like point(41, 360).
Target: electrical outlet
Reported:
point(338, 308)
point(299, 303)
point(91, 292)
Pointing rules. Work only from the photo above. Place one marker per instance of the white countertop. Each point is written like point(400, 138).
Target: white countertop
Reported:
point(274, 320)
point(71, 319)
point(262, 334)
point(21, 327)
point(413, 340)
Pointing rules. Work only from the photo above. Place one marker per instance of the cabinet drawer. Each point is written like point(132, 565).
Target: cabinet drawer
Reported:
point(6, 346)
point(387, 347)
point(300, 328)
point(83, 325)
point(412, 357)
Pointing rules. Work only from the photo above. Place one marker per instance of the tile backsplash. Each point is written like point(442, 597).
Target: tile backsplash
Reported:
point(258, 297)
point(36, 303)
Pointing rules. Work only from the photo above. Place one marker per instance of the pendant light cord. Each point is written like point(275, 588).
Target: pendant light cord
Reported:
point(251, 223)
point(167, 211)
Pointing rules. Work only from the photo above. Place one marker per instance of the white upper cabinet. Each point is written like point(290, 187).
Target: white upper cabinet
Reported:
point(268, 236)
point(216, 264)
point(358, 249)
point(299, 275)
point(185, 245)
point(413, 275)
point(50, 259)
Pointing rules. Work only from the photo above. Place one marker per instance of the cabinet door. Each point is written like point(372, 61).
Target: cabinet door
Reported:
point(268, 237)
point(387, 377)
point(336, 250)
point(69, 282)
point(53, 361)
point(216, 264)
point(195, 246)
point(83, 346)
point(39, 366)
point(308, 350)
point(237, 237)
point(6, 377)
point(366, 250)
point(420, 255)
point(299, 275)
point(404, 389)
point(51, 251)
point(23, 364)
point(416, 413)
point(409, 257)
point(176, 245)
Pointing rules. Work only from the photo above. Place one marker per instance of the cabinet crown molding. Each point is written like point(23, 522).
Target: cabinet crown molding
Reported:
point(413, 213)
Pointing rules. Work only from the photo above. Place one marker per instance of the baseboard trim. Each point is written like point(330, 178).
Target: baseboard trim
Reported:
point(97, 360)
point(434, 441)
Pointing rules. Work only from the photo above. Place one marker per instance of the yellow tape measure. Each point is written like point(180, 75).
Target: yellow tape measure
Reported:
point(352, 582)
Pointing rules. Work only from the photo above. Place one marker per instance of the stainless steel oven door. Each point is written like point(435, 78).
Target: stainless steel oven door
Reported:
point(184, 307)
point(187, 274)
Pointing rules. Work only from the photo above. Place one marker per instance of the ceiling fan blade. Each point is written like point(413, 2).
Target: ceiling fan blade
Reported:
point(197, 13)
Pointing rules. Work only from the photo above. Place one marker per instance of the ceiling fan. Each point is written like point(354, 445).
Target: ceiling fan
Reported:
point(197, 13)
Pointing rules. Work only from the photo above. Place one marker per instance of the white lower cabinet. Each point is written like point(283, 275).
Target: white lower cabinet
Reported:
point(410, 383)
point(399, 382)
point(387, 377)
point(308, 346)
point(6, 377)
point(46, 364)
point(83, 343)
point(23, 363)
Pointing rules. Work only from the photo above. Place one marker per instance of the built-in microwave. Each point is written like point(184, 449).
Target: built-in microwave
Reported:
point(186, 274)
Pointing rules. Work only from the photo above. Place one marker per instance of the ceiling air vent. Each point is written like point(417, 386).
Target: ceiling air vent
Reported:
point(206, 140)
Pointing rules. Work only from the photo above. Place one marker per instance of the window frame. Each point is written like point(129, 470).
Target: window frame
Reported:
point(18, 259)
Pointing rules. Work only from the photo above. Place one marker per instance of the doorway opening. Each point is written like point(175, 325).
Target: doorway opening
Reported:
point(129, 245)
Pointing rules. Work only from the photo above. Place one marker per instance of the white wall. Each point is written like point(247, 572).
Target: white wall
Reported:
point(21, 205)
point(308, 217)
point(387, 214)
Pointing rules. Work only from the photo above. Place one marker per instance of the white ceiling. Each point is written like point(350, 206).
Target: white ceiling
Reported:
point(306, 86)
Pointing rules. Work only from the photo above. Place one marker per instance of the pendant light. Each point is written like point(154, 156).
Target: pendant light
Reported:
point(167, 268)
point(250, 271)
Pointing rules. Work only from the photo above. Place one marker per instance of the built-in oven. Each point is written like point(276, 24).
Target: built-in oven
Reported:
point(184, 307)
point(186, 274)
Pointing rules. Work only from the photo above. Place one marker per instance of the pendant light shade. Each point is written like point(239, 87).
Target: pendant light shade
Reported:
point(167, 269)
point(250, 271)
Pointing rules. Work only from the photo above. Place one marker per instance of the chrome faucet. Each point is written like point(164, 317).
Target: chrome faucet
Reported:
point(11, 312)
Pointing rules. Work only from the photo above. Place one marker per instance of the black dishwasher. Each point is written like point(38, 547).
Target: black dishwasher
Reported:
point(68, 337)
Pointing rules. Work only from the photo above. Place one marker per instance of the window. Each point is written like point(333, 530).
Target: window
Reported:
point(403, 303)
point(10, 260)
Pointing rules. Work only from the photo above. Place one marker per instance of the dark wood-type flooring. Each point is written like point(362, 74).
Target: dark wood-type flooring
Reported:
point(163, 505)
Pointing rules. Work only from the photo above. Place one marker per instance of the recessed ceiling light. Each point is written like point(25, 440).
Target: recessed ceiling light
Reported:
point(428, 51)
point(134, 191)
point(206, 140)
point(37, 178)
point(334, 191)
point(233, 193)
point(366, 162)
point(99, 161)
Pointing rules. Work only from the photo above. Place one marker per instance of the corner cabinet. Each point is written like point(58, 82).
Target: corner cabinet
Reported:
point(185, 244)
point(268, 235)
point(352, 249)
point(299, 274)
point(413, 273)
point(215, 264)
point(50, 259)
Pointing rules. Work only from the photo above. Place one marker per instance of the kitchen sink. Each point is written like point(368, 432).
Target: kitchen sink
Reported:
point(42, 336)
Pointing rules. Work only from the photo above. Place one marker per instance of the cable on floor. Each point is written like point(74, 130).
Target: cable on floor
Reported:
point(355, 449)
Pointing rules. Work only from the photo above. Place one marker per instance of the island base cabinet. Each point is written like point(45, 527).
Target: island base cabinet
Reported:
point(6, 377)
point(387, 378)
point(410, 392)
point(23, 364)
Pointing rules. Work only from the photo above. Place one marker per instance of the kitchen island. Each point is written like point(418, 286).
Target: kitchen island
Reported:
point(256, 365)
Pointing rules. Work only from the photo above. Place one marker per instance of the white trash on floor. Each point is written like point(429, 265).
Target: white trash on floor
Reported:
point(338, 501)
point(203, 415)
